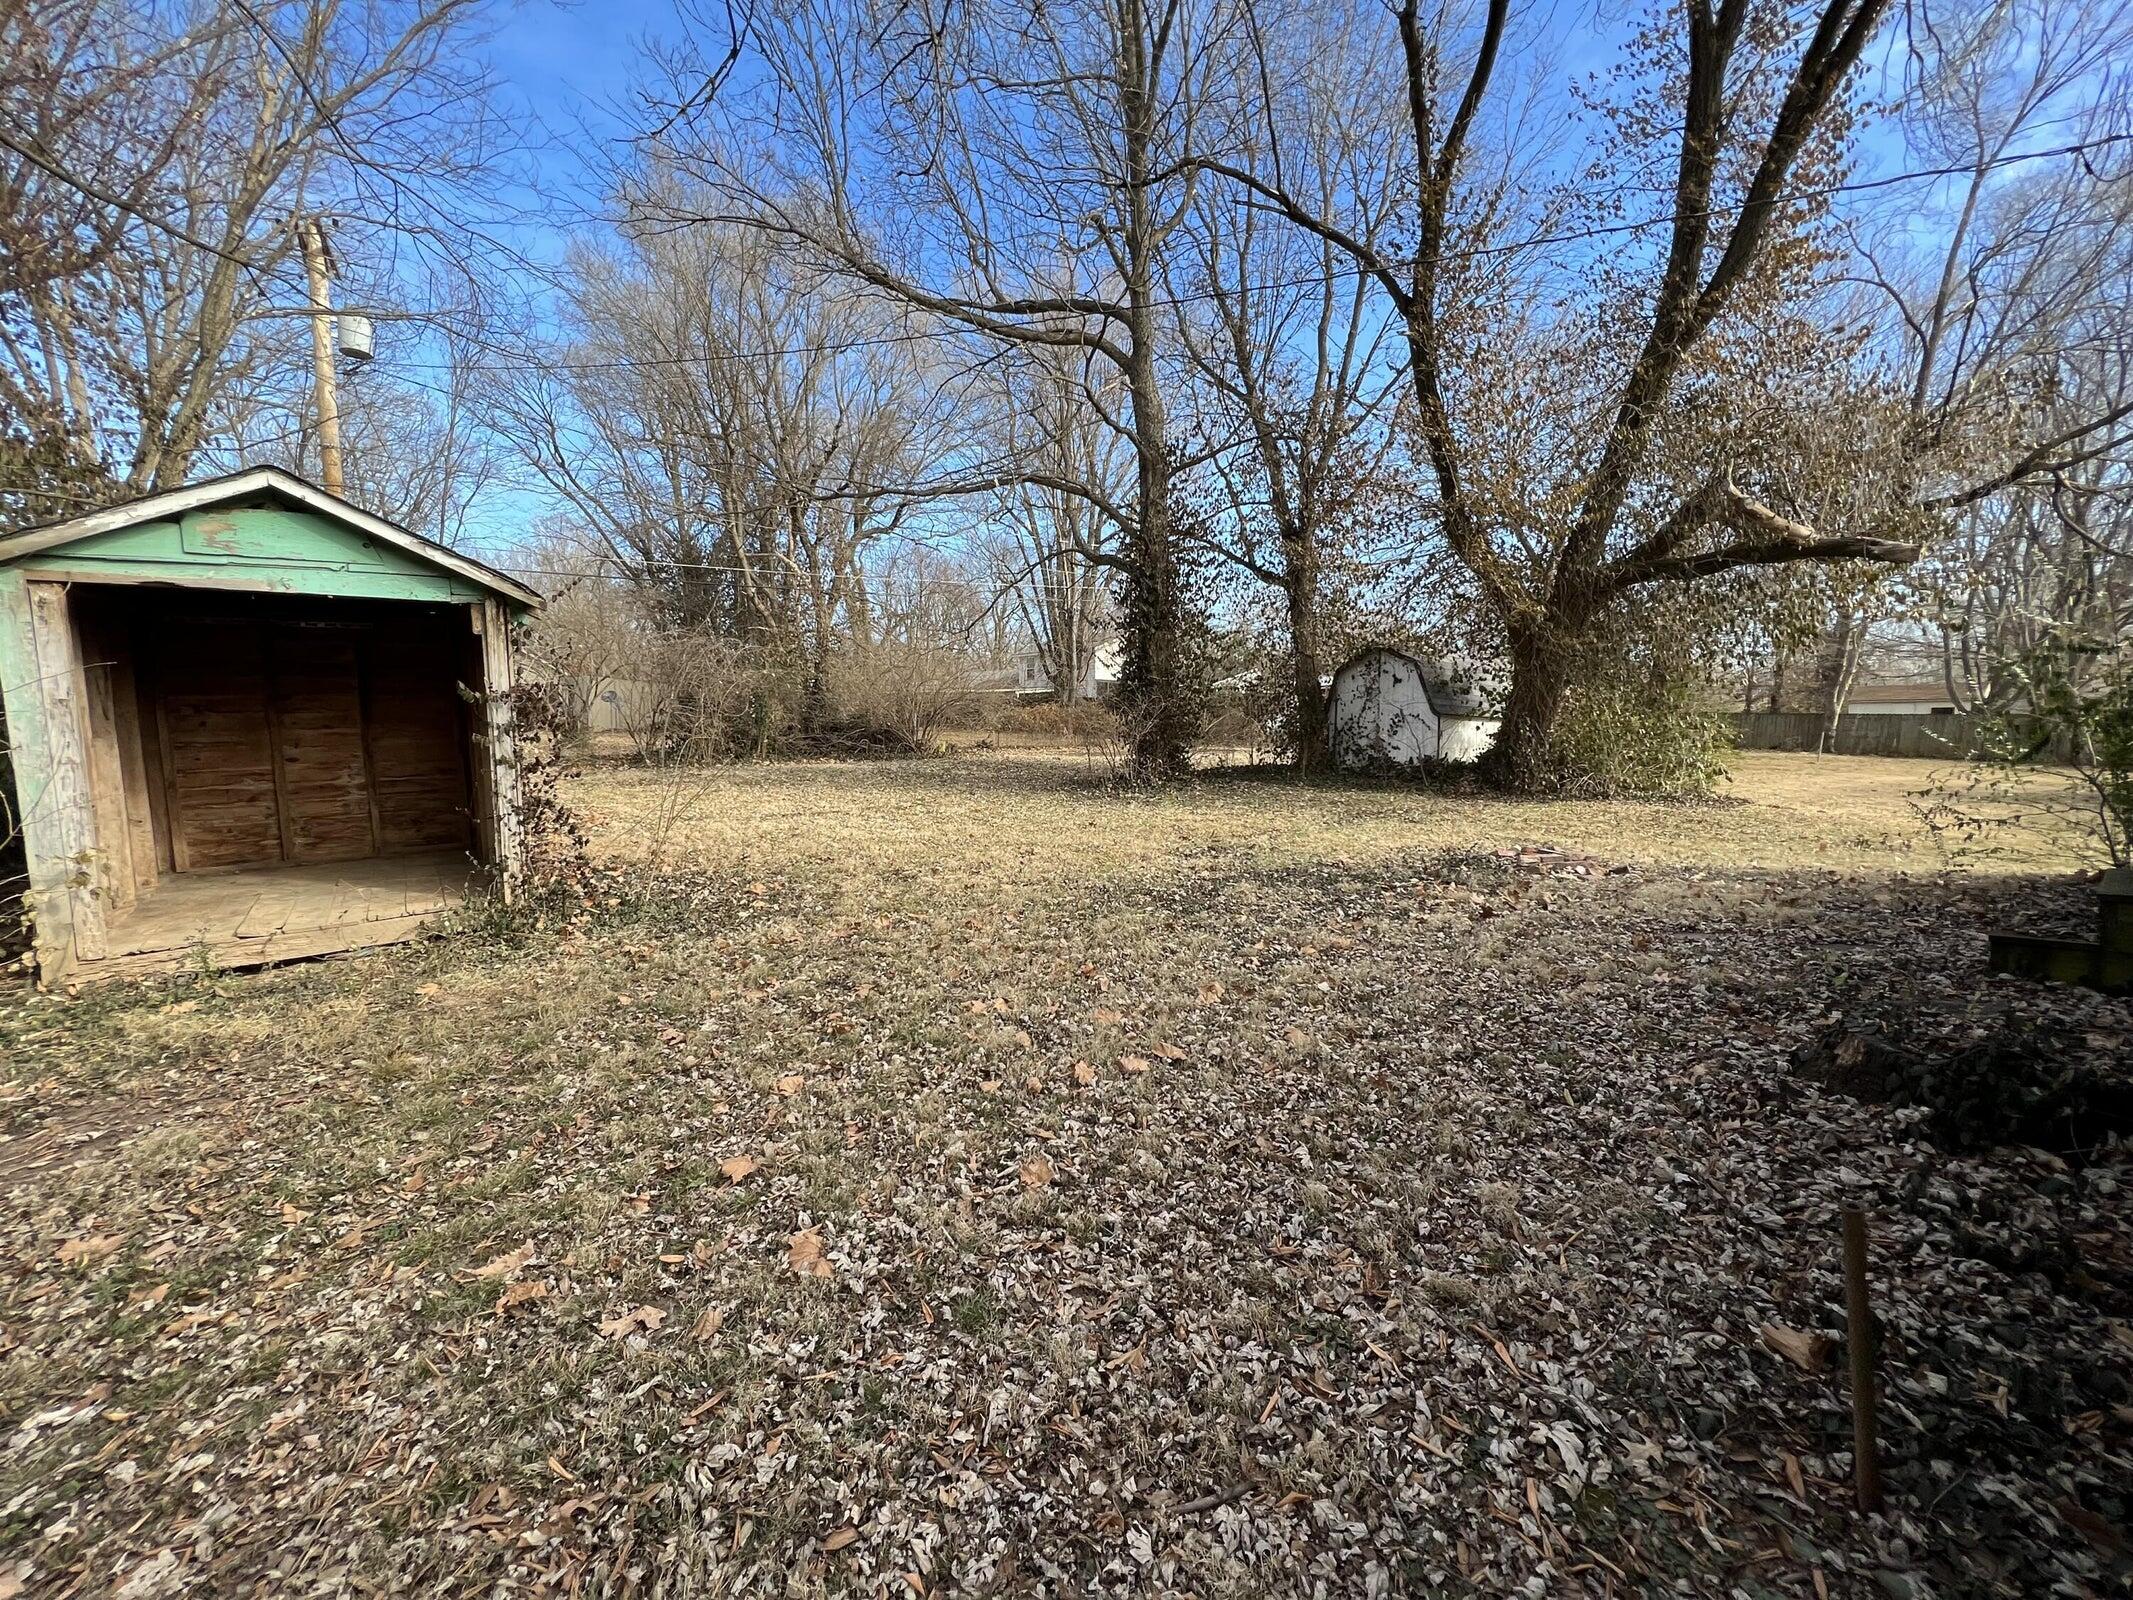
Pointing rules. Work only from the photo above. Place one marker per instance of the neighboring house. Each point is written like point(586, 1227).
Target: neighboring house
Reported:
point(1916, 698)
point(252, 722)
point(1390, 708)
point(1028, 678)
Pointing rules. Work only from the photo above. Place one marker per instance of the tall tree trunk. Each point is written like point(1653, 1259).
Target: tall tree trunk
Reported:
point(1314, 753)
point(1164, 723)
point(1838, 666)
point(1522, 757)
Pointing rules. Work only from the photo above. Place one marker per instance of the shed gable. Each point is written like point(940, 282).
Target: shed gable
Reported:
point(268, 549)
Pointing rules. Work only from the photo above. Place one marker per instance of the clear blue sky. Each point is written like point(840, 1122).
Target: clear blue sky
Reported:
point(565, 66)
point(563, 59)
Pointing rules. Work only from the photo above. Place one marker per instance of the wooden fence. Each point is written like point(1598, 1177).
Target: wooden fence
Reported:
point(1920, 736)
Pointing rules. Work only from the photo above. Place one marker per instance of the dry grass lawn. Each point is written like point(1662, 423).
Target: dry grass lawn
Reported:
point(1023, 818)
point(957, 1177)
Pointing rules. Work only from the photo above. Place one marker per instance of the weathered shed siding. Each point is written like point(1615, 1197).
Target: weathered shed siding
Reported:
point(1381, 712)
point(43, 688)
point(1465, 738)
point(1385, 711)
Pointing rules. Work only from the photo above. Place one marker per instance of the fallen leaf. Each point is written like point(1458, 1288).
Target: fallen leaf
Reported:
point(737, 1168)
point(292, 1215)
point(90, 1247)
point(708, 1322)
point(1133, 1064)
point(792, 1083)
point(1107, 1018)
point(1809, 1352)
point(524, 1292)
point(2099, 1532)
point(840, 1537)
point(645, 1319)
point(1169, 1051)
point(1084, 1074)
point(506, 1265)
point(1036, 1171)
point(805, 1255)
point(1210, 993)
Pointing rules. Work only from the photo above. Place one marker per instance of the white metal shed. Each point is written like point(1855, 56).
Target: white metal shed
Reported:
point(1389, 708)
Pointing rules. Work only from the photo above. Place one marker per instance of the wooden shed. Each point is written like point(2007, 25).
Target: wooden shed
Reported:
point(250, 722)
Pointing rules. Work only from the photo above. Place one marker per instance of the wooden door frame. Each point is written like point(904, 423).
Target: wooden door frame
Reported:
point(46, 694)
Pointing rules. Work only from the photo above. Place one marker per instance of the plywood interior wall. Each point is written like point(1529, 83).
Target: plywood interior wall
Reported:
point(232, 731)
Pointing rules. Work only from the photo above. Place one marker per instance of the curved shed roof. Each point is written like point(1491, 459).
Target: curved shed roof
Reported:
point(1452, 692)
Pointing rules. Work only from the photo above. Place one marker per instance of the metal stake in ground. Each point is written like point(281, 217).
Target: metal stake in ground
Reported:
point(1859, 1335)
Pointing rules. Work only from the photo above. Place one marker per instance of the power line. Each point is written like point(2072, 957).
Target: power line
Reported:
point(1469, 253)
point(621, 573)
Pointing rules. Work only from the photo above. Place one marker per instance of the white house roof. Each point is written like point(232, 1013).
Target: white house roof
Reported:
point(251, 484)
point(1919, 691)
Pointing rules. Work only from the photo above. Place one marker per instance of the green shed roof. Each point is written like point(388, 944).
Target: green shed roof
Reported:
point(261, 528)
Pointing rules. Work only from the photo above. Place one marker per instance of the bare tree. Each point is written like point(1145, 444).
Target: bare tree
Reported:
point(1051, 542)
point(735, 431)
point(1288, 344)
point(2004, 322)
point(1741, 124)
point(257, 111)
point(2048, 561)
point(88, 128)
point(1014, 175)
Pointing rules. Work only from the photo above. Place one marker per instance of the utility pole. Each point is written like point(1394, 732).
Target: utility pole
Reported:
point(324, 397)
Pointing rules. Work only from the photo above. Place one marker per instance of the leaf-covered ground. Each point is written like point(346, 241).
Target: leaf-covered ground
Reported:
point(952, 1177)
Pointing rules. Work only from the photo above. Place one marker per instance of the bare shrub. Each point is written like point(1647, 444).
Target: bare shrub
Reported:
point(912, 692)
point(579, 644)
point(1111, 746)
point(688, 695)
point(1050, 719)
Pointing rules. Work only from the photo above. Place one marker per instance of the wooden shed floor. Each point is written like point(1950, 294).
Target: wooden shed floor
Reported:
point(253, 916)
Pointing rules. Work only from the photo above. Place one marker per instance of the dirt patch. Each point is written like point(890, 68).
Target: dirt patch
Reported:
point(49, 1146)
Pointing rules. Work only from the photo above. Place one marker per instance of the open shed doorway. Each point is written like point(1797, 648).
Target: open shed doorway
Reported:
point(276, 767)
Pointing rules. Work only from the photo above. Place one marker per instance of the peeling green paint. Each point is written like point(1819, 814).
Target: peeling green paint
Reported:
point(282, 552)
